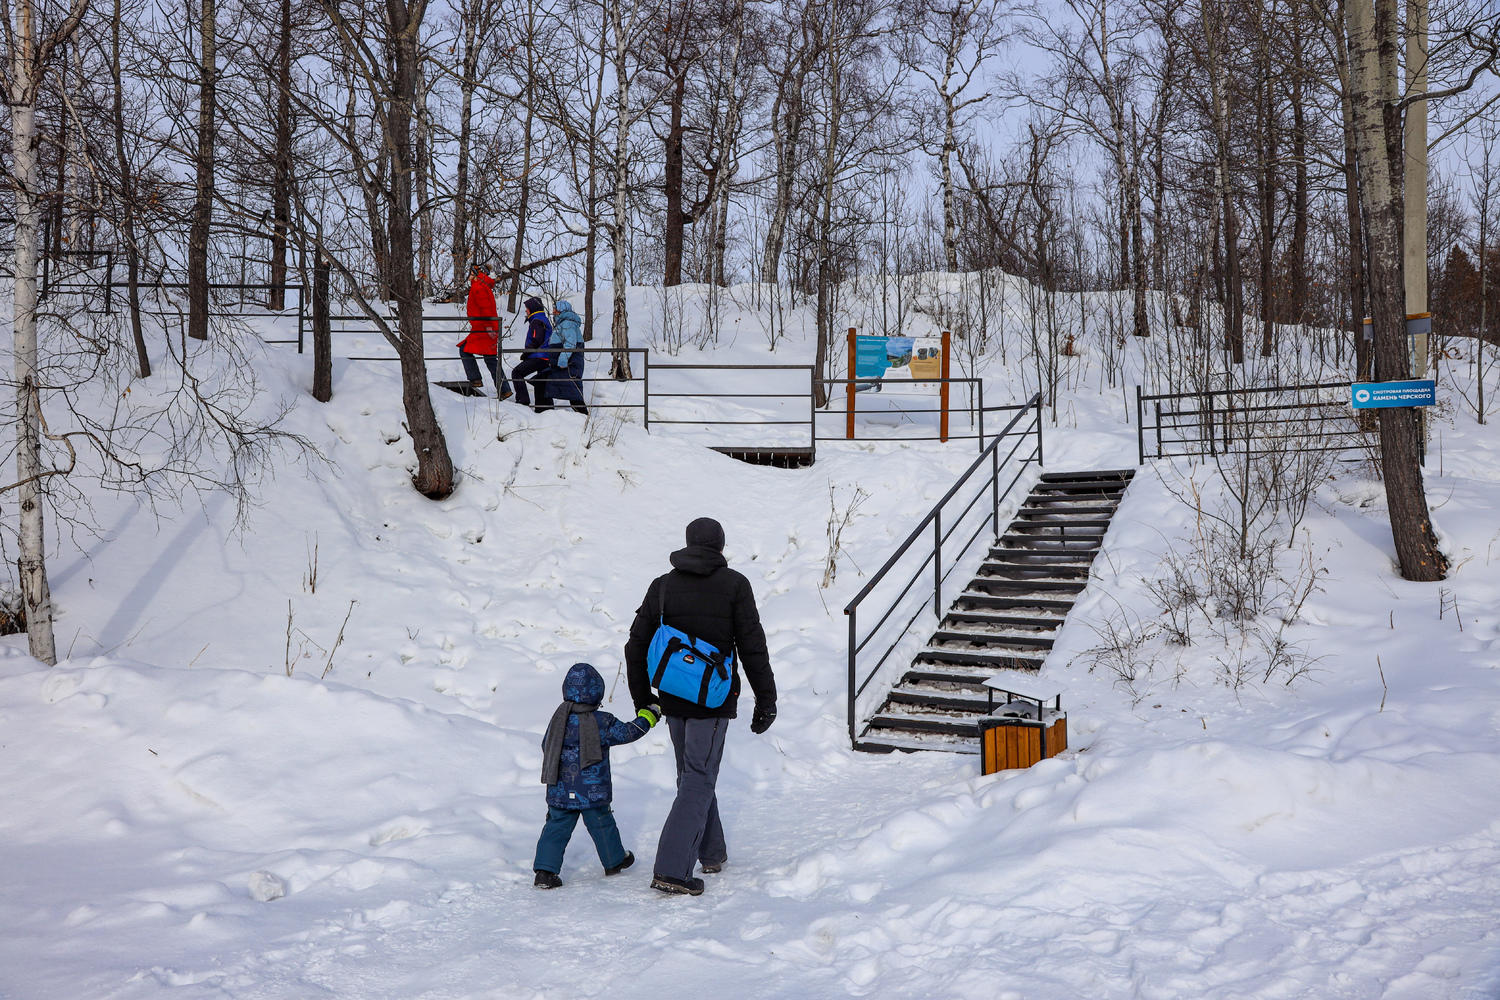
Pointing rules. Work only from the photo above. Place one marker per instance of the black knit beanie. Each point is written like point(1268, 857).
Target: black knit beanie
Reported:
point(707, 532)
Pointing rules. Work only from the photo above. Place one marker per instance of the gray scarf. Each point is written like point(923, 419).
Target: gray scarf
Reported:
point(590, 751)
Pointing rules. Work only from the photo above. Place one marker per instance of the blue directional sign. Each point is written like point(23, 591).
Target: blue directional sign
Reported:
point(870, 358)
point(1377, 395)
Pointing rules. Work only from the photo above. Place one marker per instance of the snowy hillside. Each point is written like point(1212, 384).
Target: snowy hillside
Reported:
point(302, 760)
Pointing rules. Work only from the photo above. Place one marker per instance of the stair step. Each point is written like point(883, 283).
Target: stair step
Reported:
point(991, 661)
point(1097, 475)
point(1035, 544)
point(1096, 498)
point(887, 740)
point(969, 601)
point(974, 704)
point(990, 640)
point(1097, 525)
point(1015, 588)
point(906, 722)
point(1053, 571)
point(975, 616)
point(1038, 557)
point(1081, 486)
point(958, 677)
point(1057, 511)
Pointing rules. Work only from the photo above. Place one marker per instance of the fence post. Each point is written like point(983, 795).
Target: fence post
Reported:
point(301, 314)
point(1213, 430)
point(812, 412)
point(109, 282)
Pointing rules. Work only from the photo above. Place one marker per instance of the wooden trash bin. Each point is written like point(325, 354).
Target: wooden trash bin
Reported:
point(1021, 731)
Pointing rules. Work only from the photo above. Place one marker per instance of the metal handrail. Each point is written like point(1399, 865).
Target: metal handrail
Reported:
point(933, 522)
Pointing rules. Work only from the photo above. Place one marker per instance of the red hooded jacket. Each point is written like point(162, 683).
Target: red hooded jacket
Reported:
point(484, 334)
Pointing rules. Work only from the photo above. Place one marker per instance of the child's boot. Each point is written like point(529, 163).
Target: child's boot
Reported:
point(547, 880)
point(626, 863)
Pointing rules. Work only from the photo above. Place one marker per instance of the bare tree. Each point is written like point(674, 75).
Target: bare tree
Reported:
point(203, 198)
point(948, 43)
point(30, 40)
point(386, 72)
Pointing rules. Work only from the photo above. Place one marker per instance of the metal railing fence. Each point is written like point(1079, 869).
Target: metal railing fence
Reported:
point(896, 596)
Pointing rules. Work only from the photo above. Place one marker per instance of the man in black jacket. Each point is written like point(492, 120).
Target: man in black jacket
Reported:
point(706, 599)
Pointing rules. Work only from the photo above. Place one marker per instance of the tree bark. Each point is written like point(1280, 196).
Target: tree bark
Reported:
point(1374, 32)
point(28, 59)
point(434, 475)
point(281, 181)
point(203, 200)
point(127, 200)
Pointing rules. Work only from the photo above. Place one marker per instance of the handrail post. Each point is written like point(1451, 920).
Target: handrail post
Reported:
point(1039, 461)
point(646, 388)
point(995, 490)
point(937, 564)
point(981, 416)
point(1140, 429)
point(853, 682)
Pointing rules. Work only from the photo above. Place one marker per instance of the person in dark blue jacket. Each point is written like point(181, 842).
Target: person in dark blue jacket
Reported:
point(575, 769)
point(536, 359)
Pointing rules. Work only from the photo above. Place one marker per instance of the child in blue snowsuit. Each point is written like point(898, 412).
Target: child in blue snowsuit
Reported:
point(575, 769)
point(567, 366)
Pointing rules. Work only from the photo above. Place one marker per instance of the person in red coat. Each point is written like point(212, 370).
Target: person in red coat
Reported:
point(483, 340)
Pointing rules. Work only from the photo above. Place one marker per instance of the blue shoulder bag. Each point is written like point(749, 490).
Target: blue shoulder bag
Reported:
point(685, 667)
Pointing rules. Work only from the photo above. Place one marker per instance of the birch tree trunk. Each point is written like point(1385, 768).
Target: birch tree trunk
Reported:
point(28, 60)
point(619, 321)
point(1374, 30)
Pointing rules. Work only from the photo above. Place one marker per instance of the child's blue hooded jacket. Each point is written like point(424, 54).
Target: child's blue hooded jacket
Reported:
point(589, 787)
point(567, 333)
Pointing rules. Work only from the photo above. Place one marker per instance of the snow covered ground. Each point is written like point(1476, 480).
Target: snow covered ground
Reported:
point(182, 818)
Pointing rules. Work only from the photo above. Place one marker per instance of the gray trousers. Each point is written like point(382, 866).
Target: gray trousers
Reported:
point(692, 832)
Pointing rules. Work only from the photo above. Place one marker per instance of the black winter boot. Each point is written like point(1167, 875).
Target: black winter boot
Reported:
point(617, 869)
point(677, 886)
point(546, 880)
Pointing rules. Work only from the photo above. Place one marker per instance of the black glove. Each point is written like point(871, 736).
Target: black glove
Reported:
point(762, 718)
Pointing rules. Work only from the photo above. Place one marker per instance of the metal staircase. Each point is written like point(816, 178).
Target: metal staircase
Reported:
point(1005, 619)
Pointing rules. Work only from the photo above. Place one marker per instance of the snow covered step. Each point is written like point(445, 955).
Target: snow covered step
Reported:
point(1020, 588)
point(922, 722)
point(1083, 545)
point(1025, 571)
point(884, 740)
point(988, 660)
point(982, 617)
point(1092, 476)
point(977, 703)
point(1055, 511)
point(1036, 557)
point(947, 638)
point(970, 601)
point(1062, 525)
point(944, 677)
